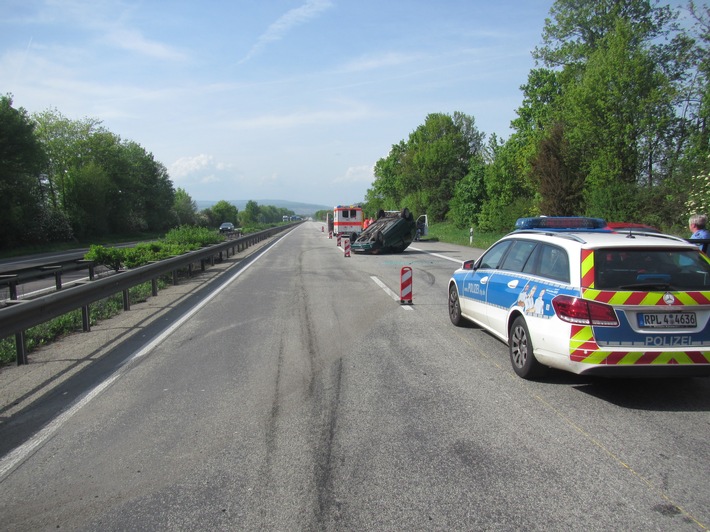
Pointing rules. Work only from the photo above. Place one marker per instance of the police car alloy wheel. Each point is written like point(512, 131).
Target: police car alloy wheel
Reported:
point(454, 306)
point(521, 351)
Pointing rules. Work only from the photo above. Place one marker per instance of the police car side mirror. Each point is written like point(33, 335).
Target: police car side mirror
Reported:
point(469, 265)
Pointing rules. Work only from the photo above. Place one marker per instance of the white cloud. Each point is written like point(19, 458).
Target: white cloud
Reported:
point(133, 41)
point(203, 167)
point(347, 112)
point(357, 174)
point(291, 19)
point(373, 62)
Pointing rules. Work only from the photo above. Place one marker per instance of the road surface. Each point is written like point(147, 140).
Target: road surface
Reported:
point(301, 395)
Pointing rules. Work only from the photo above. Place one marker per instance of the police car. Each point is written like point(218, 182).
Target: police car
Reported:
point(570, 294)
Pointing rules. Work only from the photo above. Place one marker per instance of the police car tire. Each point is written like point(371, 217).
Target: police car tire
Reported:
point(521, 351)
point(455, 307)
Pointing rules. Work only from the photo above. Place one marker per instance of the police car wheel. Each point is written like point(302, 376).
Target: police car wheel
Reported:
point(454, 307)
point(521, 351)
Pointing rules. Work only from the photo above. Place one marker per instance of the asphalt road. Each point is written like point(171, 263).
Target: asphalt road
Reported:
point(303, 396)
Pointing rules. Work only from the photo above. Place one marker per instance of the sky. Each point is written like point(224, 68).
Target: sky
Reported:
point(270, 99)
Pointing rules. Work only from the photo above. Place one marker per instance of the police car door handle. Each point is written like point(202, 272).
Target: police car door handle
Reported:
point(513, 283)
point(484, 280)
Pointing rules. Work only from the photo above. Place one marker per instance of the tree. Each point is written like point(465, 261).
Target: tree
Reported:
point(576, 28)
point(422, 172)
point(558, 179)
point(614, 94)
point(185, 208)
point(225, 212)
point(250, 214)
point(21, 158)
point(469, 196)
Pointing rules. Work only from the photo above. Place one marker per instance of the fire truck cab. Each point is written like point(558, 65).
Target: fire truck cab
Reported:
point(347, 221)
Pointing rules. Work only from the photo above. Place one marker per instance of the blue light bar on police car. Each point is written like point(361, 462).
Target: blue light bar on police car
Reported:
point(560, 223)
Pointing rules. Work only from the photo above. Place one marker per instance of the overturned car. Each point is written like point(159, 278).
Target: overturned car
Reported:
point(392, 232)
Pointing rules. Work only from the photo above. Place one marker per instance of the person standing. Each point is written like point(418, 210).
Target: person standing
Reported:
point(698, 226)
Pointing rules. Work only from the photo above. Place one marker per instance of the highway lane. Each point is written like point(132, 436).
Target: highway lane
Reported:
point(304, 397)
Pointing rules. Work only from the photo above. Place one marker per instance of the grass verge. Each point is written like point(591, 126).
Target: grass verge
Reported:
point(447, 232)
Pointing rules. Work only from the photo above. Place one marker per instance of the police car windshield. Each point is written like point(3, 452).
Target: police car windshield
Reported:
point(643, 269)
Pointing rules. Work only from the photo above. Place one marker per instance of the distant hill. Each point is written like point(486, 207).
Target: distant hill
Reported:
point(306, 209)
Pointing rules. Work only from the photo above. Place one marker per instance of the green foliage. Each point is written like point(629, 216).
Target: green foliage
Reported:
point(21, 157)
point(192, 237)
point(223, 211)
point(422, 172)
point(557, 179)
point(175, 242)
point(469, 196)
point(449, 232)
point(699, 195)
point(500, 217)
point(100, 182)
point(185, 208)
point(110, 257)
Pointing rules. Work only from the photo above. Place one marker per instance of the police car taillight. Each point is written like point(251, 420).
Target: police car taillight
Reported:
point(584, 312)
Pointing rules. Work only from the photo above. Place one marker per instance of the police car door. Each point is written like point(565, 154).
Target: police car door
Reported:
point(510, 287)
point(475, 284)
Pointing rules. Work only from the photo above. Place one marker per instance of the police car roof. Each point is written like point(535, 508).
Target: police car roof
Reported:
point(605, 238)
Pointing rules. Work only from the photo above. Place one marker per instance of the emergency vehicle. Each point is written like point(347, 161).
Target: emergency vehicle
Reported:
point(571, 294)
point(347, 221)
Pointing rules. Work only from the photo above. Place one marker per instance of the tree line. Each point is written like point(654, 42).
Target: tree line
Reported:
point(64, 180)
point(613, 124)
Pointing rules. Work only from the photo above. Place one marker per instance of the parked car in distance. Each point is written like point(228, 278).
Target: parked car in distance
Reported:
point(589, 300)
point(226, 227)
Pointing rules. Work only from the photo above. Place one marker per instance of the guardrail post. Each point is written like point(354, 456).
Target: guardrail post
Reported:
point(126, 300)
point(11, 281)
point(57, 274)
point(85, 319)
point(154, 287)
point(21, 348)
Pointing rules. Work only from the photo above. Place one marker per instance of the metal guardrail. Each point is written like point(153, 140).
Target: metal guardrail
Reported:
point(20, 315)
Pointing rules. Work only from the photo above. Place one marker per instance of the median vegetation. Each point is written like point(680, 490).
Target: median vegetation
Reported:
point(175, 242)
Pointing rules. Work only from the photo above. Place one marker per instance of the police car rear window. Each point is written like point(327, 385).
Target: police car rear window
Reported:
point(644, 269)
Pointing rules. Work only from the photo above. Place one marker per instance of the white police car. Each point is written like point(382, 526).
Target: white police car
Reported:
point(568, 294)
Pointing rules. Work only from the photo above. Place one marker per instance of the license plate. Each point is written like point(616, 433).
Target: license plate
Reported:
point(667, 319)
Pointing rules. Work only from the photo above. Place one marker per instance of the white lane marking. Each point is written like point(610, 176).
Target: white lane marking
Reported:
point(458, 261)
point(389, 292)
point(19, 454)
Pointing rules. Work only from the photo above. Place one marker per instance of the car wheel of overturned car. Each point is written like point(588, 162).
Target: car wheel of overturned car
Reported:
point(521, 351)
point(405, 213)
point(454, 306)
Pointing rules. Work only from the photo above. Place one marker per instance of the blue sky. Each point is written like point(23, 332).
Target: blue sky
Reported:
point(270, 99)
